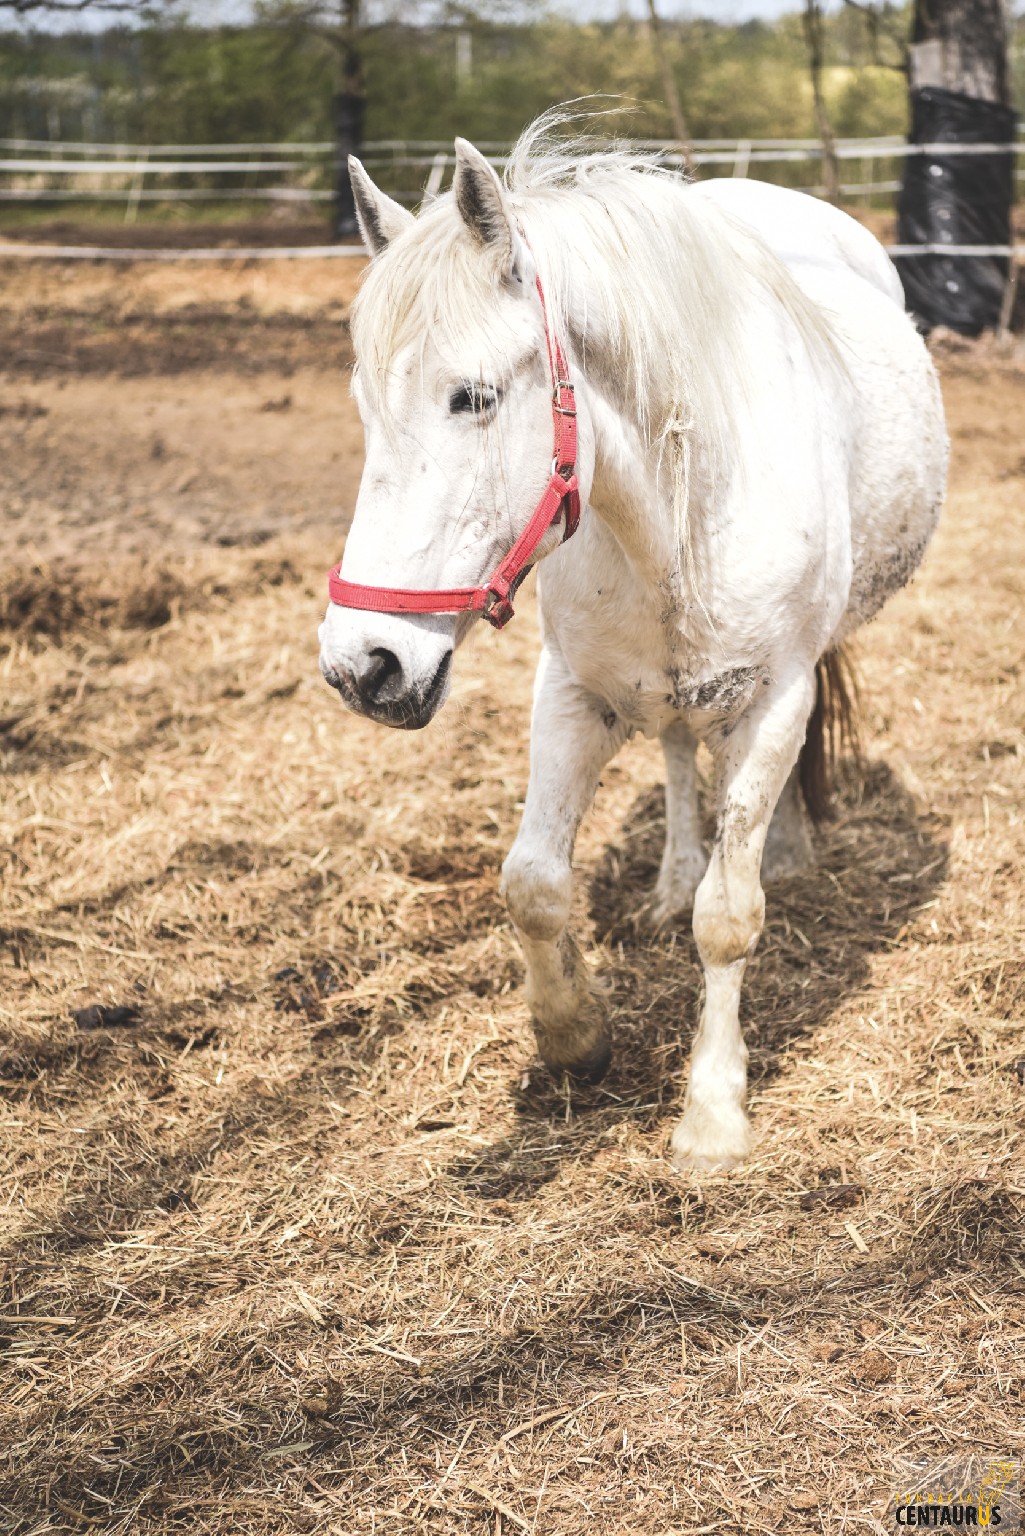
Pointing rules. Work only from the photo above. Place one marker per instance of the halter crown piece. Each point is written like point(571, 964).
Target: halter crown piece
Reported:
point(493, 600)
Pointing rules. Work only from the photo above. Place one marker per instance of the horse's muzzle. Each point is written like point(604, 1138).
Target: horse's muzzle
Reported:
point(376, 686)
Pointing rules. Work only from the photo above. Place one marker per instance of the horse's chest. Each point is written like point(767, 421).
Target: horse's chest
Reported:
point(699, 692)
point(650, 671)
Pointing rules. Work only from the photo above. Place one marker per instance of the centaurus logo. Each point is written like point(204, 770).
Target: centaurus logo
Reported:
point(974, 1491)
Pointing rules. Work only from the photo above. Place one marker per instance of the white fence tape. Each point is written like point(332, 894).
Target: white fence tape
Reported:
point(124, 159)
point(178, 195)
point(133, 151)
point(1017, 252)
point(17, 251)
point(122, 167)
point(402, 148)
point(38, 162)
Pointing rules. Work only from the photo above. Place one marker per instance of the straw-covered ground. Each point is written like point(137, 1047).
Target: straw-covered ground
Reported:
point(297, 1235)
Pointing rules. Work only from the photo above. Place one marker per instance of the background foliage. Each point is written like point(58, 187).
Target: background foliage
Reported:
point(169, 81)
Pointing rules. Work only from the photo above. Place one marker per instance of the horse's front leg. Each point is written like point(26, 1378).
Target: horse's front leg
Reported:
point(573, 735)
point(752, 763)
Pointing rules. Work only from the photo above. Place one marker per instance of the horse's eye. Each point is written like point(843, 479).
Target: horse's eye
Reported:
point(477, 399)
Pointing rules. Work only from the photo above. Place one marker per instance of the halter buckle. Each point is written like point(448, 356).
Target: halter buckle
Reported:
point(557, 405)
point(497, 609)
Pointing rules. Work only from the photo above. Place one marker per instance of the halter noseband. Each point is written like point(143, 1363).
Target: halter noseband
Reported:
point(493, 600)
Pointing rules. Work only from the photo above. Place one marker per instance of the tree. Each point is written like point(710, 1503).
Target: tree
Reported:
point(961, 45)
point(814, 37)
point(960, 94)
point(679, 122)
point(349, 113)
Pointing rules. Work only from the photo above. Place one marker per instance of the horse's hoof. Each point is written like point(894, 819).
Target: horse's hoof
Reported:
point(593, 1067)
point(783, 863)
point(673, 897)
point(588, 1068)
point(666, 910)
point(707, 1140)
point(584, 1052)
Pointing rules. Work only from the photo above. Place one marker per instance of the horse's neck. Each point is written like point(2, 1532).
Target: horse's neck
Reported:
point(636, 489)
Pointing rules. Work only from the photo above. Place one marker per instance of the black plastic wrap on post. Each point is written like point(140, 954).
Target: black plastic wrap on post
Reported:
point(956, 200)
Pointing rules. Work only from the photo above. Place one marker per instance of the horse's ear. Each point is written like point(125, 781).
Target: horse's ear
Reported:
point(481, 202)
point(381, 218)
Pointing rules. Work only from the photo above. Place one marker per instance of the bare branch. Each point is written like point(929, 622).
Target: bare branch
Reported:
point(26, 7)
point(880, 21)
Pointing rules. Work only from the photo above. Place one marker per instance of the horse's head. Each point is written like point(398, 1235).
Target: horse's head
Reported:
point(454, 386)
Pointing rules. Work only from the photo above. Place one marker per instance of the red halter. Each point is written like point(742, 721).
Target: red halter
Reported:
point(494, 599)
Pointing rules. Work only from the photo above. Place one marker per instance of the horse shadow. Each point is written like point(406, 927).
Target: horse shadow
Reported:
point(880, 860)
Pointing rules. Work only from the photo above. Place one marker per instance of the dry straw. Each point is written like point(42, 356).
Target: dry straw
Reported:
point(306, 1240)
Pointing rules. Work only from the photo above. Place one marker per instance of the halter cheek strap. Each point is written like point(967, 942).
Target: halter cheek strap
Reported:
point(493, 600)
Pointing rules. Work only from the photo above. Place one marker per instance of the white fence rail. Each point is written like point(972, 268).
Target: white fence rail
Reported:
point(45, 171)
point(37, 170)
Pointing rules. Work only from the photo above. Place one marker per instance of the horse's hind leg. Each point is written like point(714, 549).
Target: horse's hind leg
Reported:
point(572, 737)
point(788, 846)
point(752, 764)
point(683, 858)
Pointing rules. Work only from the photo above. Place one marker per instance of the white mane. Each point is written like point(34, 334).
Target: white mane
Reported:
point(651, 286)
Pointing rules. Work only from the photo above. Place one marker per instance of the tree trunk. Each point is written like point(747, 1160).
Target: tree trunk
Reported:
point(960, 94)
point(813, 32)
point(349, 108)
point(672, 96)
point(961, 45)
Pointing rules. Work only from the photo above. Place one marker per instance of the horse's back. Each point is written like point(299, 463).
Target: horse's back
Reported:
point(803, 232)
point(890, 430)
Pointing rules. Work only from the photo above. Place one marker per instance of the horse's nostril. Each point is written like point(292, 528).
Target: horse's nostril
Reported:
point(381, 670)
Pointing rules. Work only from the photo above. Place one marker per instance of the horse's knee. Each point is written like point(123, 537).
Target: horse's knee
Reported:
point(729, 910)
point(537, 894)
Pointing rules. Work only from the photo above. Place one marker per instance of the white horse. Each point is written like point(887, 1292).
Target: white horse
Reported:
point(761, 459)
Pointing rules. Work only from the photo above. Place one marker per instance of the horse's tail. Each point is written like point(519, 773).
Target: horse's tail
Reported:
point(832, 730)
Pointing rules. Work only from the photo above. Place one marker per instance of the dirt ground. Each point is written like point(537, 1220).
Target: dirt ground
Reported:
point(218, 392)
point(296, 1233)
point(168, 225)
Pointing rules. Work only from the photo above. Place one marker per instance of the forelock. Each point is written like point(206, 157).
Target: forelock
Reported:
point(433, 284)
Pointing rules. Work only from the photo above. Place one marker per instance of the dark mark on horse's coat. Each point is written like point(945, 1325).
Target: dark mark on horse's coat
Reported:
point(888, 574)
point(723, 693)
